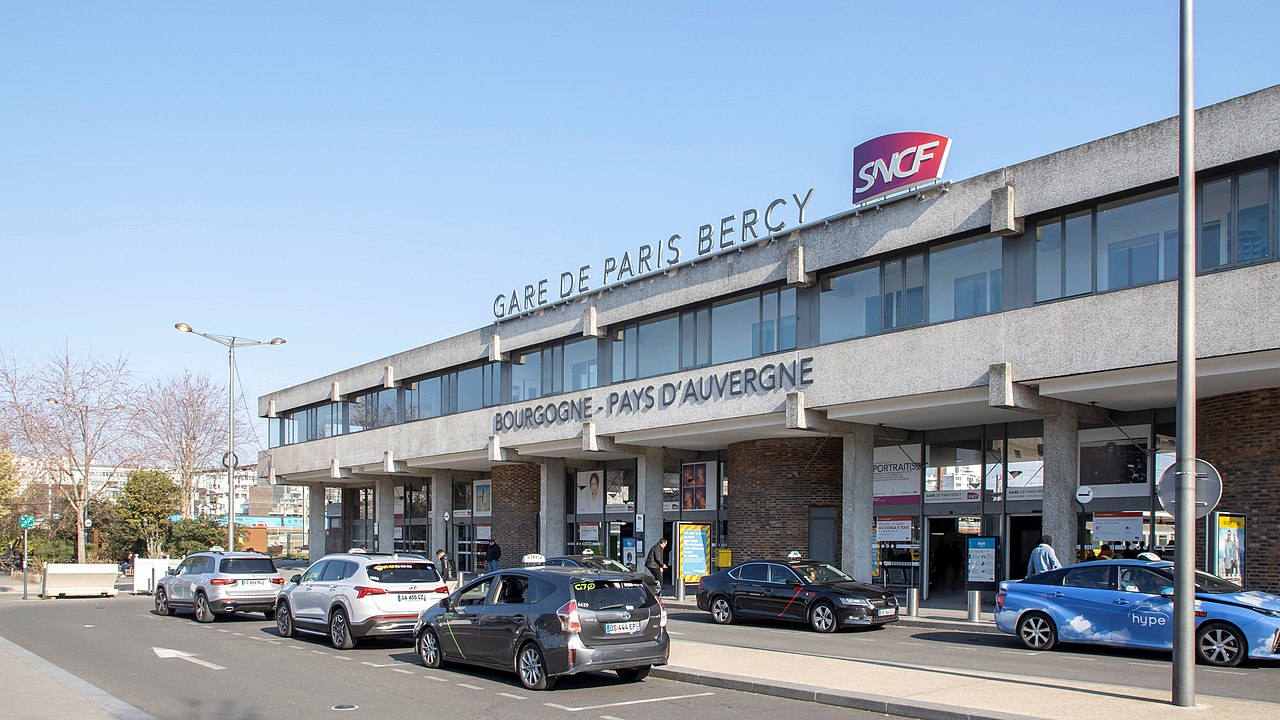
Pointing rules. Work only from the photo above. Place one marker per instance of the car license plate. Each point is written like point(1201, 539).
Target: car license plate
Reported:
point(253, 582)
point(885, 612)
point(415, 597)
point(621, 628)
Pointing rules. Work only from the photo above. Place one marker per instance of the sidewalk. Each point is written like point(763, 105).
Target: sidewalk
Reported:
point(933, 693)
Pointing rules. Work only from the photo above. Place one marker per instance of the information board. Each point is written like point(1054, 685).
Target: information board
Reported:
point(982, 562)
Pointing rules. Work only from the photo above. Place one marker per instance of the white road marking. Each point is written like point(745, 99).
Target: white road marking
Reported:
point(609, 717)
point(1228, 672)
point(319, 652)
point(341, 657)
point(628, 702)
point(509, 695)
point(1150, 664)
point(366, 662)
point(165, 653)
point(88, 626)
point(221, 630)
point(470, 687)
point(672, 632)
point(238, 634)
point(903, 642)
point(1019, 652)
point(406, 672)
point(437, 679)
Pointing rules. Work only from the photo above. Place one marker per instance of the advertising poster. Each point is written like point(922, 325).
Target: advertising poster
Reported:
point(591, 491)
point(896, 475)
point(1229, 553)
point(1114, 461)
point(484, 498)
point(698, 485)
point(893, 529)
point(981, 566)
point(618, 498)
point(694, 552)
point(589, 532)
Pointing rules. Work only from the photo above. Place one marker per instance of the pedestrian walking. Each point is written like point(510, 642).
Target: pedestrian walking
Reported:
point(492, 555)
point(1043, 558)
point(448, 572)
point(656, 560)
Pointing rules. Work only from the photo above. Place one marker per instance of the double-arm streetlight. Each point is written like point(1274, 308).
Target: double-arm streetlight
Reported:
point(231, 342)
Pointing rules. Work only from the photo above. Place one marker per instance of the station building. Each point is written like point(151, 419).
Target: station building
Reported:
point(957, 362)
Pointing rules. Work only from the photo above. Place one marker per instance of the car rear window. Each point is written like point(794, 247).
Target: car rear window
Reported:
point(606, 594)
point(244, 566)
point(403, 572)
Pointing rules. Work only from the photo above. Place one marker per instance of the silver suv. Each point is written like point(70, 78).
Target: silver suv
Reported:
point(220, 583)
point(352, 595)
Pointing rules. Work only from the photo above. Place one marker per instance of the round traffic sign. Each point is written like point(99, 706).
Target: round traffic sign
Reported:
point(1084, 494)
point(1208, 489)
point(230, 458)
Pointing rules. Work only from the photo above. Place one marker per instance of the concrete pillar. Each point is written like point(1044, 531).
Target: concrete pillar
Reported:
point(441, 502)
point(315, 522)
point(857, 504)
point(649, 471)
point(384, 514)
point(551, 512)
point(1061, 469)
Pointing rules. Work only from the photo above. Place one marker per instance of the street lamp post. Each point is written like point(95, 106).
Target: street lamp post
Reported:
point(231, 342)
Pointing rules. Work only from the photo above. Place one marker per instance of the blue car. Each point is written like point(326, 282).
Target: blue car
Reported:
point(1129, 603)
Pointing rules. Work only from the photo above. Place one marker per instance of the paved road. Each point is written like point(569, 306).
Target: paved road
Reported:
point(972, 651)
point(255, 674)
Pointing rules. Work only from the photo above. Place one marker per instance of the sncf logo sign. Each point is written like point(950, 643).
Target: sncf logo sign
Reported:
point(895, 162)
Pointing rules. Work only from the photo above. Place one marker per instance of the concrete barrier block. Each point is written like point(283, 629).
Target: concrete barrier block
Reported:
point(76, 580)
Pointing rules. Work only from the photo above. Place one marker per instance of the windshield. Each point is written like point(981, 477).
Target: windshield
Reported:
point(818, 572)
point(610, 594)
point(1205, 583)
point(604, 563)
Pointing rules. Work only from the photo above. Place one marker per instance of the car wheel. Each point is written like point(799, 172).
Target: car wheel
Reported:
point(635, 674)
point(429, 648)
point(532, 669)
point(822, 618)
point(269, 614)
point(721, 610)
point(204, 613)
point(1221, 645)
point(284, 622)
point(340, 630)
point(162, 603)
point(1036, 631)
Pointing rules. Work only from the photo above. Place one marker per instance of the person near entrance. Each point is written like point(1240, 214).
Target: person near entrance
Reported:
point(655, 561)
point(448, 572)
point(492, 555)
point(1043, 558)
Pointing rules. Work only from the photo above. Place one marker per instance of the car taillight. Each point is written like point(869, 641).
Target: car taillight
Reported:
point(662, 618)
point(361, 591)
point(222, 581)
point(569, 620)
point(443, 590)
point(277, 581)
point(1000, 600)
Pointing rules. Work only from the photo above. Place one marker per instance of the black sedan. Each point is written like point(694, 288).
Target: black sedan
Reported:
point(600, 562)
point(798, 591)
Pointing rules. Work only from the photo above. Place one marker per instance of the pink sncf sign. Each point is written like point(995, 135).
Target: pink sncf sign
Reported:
point(897, 161)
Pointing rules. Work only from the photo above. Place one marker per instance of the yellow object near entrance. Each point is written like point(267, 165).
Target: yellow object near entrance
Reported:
point(724, 557)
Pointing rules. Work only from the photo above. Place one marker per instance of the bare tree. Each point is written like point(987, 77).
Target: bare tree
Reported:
point(68, 415)
point(183, 426)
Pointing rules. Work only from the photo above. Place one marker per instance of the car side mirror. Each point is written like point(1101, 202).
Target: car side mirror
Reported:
point(1166, 592)
point(446, 603)
point(296, 579)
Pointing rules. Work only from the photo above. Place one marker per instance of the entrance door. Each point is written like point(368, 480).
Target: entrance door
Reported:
point(822, 534)
point(945, 559)
point(1024, 535)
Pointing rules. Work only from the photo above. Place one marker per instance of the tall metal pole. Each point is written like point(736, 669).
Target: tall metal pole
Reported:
point(1184, 628)
point(231, 446)
point(24, 562)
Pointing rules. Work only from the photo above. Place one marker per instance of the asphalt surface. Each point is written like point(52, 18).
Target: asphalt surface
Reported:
point(978, 652)
point(238, 668)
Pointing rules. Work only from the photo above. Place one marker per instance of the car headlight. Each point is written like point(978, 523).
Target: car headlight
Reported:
point(855, 602)
point(1265, 611)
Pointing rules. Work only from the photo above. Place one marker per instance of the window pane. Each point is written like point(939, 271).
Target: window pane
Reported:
point(1254, 226)
point(1048, 261)
point(913, 292)
point(580, 365)
point(1079, 253)
point(965, 279)
point(1215, 224)
point(849, 305)
point(526, 376)
point(768, 332)
point(429, 398)
point(787, 319)
point(688, 340)
point(704, 337)
point(1131, 247)
point(470, 389)
point(659, 346)
point(492, 384)
point(734, 326)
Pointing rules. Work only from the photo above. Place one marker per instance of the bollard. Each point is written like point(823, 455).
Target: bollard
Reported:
point(913, 602)
point(975, 605)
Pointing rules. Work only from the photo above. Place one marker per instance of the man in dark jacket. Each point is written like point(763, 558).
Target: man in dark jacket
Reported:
point(655, 561)
point(493, 555)
point(448, 572)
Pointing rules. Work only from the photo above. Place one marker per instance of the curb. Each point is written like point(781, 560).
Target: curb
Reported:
point(838, 698)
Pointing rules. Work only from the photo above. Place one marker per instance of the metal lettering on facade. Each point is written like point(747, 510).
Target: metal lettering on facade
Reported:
point(897, 161)
point(766, 378)
point(729, 233)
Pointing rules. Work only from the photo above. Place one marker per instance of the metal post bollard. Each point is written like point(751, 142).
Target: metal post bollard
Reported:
point(913, 602)
point(975, 605)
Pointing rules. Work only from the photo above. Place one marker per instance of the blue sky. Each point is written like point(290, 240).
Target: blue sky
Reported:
point(362, 179)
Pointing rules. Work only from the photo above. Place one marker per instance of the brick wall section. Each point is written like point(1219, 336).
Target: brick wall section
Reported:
point(517, 493)
point(1239, 434)
point(772, 484)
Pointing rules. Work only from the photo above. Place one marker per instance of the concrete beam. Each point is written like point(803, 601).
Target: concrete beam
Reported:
point(594, 442)
point(591, 323)
point(801, 418)
point(497, 453)
point(337, 472)
point(391, 465)
point(1003, 220)
point(389, 376)
point(1003, 392)
point(796, 275)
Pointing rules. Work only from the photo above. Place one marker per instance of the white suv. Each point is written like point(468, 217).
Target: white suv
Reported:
point(353, 595)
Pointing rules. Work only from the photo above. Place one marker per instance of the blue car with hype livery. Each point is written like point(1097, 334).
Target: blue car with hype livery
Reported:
point(1129, 603)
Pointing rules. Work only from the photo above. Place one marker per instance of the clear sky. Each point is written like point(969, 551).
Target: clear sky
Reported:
point(364, 178)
